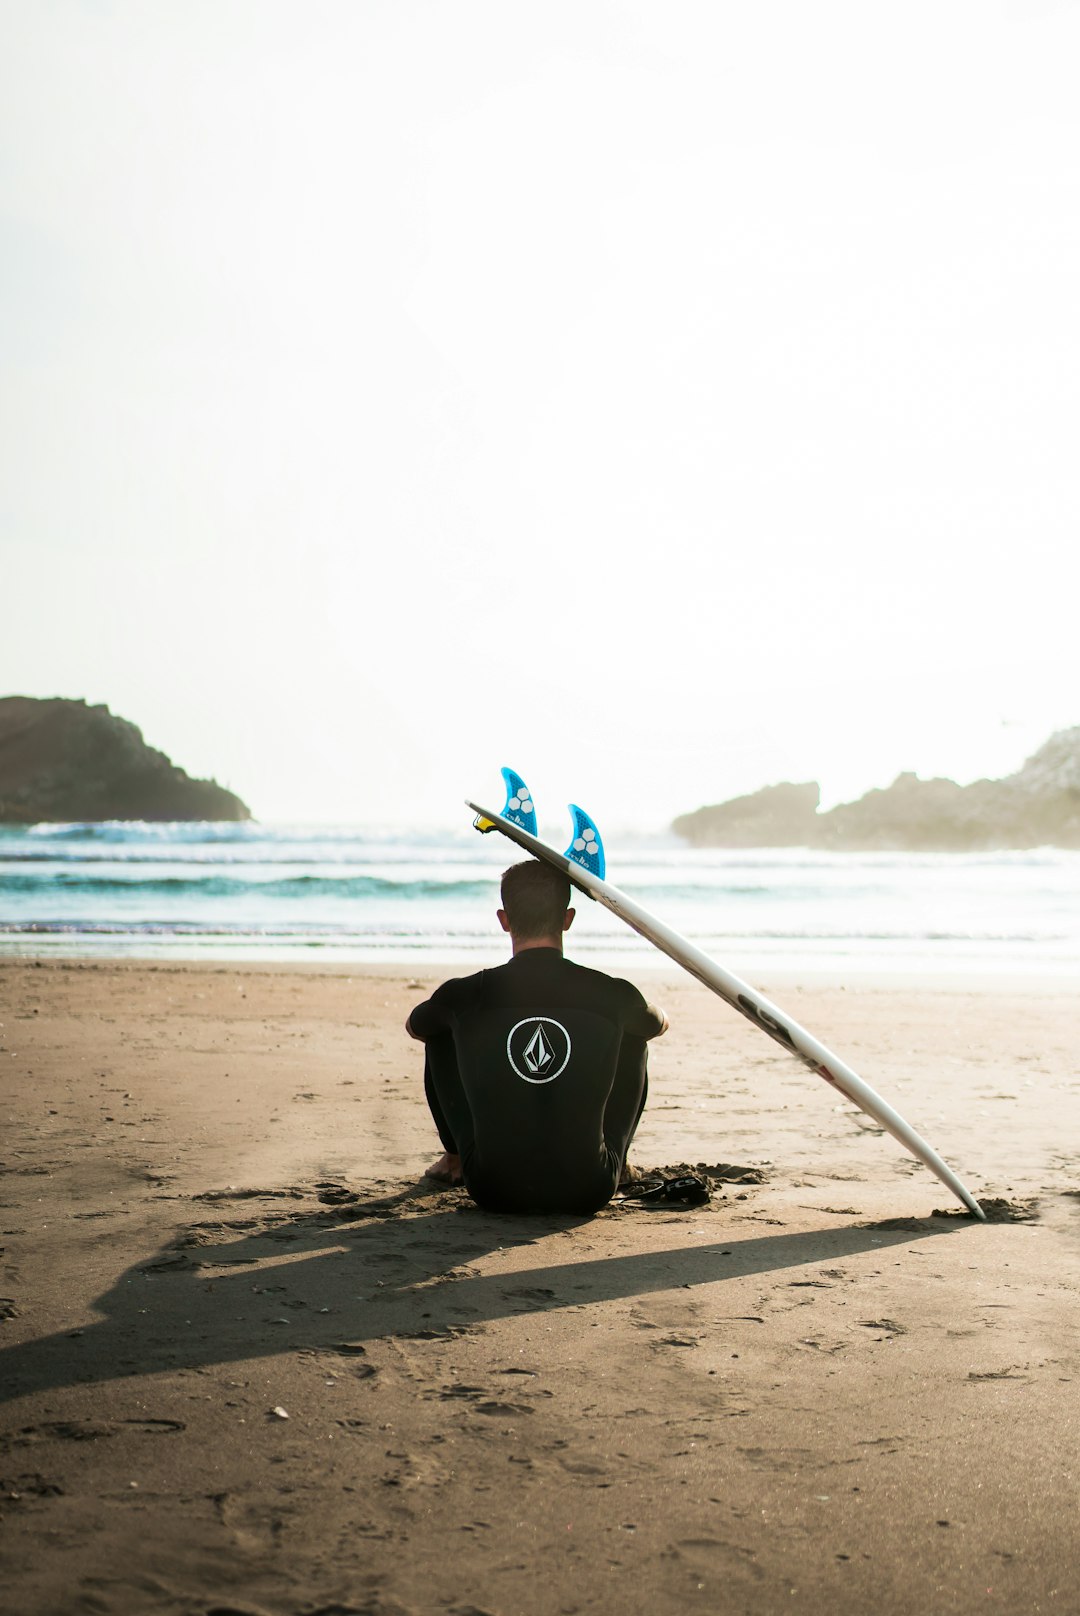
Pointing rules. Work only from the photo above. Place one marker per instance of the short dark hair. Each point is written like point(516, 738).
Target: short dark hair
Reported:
point(536, 897)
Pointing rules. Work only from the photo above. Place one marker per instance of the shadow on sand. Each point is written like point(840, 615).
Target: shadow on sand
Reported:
point(338, 1277)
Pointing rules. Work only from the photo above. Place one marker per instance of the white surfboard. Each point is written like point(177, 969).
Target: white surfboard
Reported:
point(583, 862)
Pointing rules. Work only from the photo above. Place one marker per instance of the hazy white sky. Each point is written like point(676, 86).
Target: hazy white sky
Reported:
point(663, 398)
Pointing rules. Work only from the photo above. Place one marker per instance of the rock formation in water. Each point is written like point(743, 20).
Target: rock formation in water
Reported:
point(1039, 806)
point(62, 761)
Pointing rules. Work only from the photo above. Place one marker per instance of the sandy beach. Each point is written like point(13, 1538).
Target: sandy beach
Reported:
point(252, 1363)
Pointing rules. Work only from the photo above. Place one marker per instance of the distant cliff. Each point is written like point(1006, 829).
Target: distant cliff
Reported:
point(64, 761)
point(1039, 806)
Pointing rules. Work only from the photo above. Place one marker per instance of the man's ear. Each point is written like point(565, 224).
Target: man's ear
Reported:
point(503, 921)
point(569, 921)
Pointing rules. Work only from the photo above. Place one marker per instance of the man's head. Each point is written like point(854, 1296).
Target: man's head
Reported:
point(535, 896)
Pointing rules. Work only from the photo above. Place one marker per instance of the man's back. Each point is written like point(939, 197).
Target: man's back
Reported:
point(542, 1063)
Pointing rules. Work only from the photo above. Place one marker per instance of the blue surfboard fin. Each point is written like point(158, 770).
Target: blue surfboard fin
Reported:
point(519, 804)
point(586, 848)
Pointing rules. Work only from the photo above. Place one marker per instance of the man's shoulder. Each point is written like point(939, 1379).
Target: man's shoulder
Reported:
point(603, 982)
point(459, 987)
point(450, 1001)
point(623, 999)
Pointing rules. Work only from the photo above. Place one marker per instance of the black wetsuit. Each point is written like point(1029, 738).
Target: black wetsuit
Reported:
point(536, 1078)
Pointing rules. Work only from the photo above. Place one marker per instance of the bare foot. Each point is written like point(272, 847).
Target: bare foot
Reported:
point(447, 1170)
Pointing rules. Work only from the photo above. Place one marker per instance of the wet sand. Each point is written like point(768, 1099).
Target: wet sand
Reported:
point(251, 1362)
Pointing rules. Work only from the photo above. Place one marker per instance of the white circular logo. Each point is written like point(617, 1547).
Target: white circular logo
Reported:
point(538, 1049)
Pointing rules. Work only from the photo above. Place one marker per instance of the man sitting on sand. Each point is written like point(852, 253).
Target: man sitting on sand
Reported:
point(535, 1072)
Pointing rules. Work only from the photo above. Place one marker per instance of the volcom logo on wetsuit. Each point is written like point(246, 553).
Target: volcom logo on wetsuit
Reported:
point(538, 1049)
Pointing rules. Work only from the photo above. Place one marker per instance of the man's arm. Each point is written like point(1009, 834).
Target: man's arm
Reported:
point(431, 1017)
point(421, 1022)
point(644, 1020)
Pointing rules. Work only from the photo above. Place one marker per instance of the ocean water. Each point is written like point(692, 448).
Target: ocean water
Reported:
point(345, 893)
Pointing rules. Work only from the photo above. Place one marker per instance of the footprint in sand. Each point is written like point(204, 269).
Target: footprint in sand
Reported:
point(84, 1431)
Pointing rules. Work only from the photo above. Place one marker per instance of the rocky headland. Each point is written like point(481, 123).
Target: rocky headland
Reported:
point(64, 762)
point(1038, 806)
